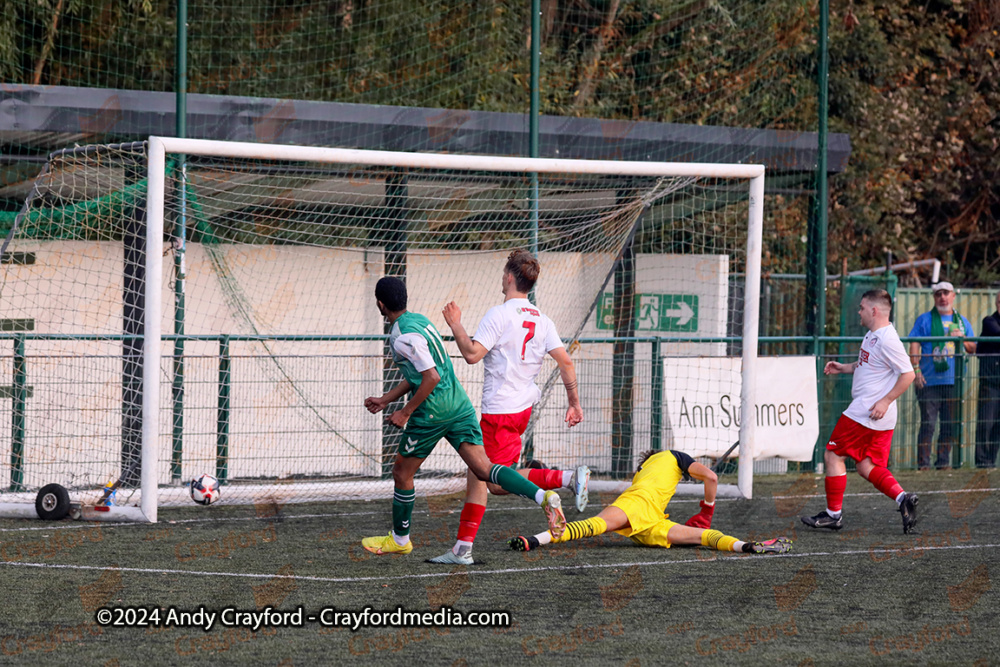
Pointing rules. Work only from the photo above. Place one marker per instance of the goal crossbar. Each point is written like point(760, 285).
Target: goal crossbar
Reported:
point(496, 163)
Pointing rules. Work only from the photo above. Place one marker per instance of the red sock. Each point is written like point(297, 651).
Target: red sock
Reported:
point(835, 492)
point(469, 520)
point(545, 479)
point(883, 480)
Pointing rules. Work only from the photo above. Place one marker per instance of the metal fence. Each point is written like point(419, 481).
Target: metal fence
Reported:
point(281, 409)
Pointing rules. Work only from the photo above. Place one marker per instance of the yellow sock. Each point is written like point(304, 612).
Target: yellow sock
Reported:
point(718, 540)
point(578, 529)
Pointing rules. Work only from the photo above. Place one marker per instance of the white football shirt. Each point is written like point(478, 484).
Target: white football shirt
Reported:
point(881, 360)
point(518, 336)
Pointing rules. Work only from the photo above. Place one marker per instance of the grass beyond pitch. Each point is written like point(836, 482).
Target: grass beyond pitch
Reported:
point(865, 595)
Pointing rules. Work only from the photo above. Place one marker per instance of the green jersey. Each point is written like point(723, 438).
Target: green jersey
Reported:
point(417, 346)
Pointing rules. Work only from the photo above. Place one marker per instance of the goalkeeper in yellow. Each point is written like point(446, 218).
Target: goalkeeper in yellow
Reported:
point(638, 513)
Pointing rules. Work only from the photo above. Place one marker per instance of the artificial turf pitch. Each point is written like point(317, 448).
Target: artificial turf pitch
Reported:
point(866, 595)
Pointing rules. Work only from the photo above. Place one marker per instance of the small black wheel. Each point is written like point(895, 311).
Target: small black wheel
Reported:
point(52, 502)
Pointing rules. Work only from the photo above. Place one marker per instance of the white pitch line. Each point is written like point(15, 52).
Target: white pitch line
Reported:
point(65, 526)
point(163, 524)
point(429, 575)
point(524, 508)
point(276, 517)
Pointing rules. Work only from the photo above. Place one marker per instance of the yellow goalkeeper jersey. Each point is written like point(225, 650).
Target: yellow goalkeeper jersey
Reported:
point(645, 501)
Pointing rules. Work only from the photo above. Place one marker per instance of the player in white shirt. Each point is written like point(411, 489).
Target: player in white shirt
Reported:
point(512, 341)
point(882, 373)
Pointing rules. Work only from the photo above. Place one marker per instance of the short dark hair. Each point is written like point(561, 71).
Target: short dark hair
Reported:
point(392, 293)
point(524, 267)
point(880, 297)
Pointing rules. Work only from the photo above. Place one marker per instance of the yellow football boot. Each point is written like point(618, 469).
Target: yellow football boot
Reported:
point(384, 544)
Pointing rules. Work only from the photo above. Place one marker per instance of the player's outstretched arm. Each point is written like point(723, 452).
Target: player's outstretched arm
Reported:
point(567, 371)
point(704, 474)
point(703, 519)
point(472, 351)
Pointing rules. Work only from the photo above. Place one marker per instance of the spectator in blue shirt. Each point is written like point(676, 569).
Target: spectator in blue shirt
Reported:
point(988, 417)
point(934, 364)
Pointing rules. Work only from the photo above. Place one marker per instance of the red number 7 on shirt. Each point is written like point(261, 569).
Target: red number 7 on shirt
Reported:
point(530, 326)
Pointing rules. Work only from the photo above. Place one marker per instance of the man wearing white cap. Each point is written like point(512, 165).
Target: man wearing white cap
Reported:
point(934, 364)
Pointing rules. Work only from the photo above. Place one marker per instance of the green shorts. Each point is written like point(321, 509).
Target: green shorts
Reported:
point(419, 440)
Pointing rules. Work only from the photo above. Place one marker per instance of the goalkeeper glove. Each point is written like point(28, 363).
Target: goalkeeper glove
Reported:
point(702, 519)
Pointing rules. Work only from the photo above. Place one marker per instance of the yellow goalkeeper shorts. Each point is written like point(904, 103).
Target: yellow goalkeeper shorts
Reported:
point(648, 525)
point(655, 535)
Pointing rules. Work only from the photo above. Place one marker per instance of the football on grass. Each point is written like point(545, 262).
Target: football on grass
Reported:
point(205, 490)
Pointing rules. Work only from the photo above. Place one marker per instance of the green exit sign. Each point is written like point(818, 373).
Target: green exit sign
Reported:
point(654, 312)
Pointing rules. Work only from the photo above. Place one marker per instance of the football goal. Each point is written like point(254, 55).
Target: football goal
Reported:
point(186, 307)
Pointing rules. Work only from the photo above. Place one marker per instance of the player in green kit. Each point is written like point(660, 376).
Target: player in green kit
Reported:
point(438, 408)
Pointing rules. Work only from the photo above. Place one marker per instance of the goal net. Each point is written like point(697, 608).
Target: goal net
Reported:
point(191, 307)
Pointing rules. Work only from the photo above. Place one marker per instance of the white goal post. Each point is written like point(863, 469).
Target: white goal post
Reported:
point(159, 151)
